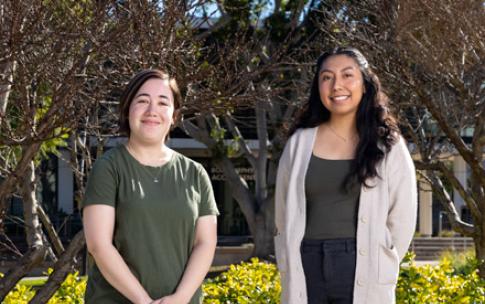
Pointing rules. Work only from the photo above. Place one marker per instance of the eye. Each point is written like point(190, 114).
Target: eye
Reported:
point(348, 75)
point(326, 77)
point(142, 100)
point(163, 103)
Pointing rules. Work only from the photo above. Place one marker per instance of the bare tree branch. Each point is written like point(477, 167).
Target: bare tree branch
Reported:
point(248, 154)
point(468, 196)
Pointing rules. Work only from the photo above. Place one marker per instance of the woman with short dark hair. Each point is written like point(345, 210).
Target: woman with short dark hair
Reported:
point(346, 194)
point(149, 212)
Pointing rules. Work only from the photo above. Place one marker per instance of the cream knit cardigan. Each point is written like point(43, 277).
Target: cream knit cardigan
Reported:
point(385, 227)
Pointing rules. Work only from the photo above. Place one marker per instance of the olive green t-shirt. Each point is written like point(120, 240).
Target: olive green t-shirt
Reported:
point(331, 207)
point(156, 212)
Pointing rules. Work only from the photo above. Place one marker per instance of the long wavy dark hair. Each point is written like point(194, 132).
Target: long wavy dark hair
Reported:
point(377, 128)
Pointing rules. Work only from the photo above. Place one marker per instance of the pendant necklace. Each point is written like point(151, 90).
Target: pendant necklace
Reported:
point(147, 168)
point(340, 136)
point(156, 176)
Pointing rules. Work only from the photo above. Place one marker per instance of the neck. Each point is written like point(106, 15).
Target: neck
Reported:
point(149, 154)
point(344, 126)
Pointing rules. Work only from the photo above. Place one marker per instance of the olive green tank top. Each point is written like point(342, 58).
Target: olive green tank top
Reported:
point(331, 207)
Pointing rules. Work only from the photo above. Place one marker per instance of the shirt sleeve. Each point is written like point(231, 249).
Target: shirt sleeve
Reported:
point(102, 184)
point(282, 181)
point(208, 204)
point(281, 188)
point(402, 215)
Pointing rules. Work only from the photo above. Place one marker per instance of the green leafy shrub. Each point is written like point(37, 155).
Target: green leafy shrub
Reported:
point(462, 262)
point(71, 291)
point(454, 280)
point(252, 282)
point(441, 283)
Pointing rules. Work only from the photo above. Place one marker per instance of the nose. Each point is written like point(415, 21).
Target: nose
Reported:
point(337, 83)
point(151, 107)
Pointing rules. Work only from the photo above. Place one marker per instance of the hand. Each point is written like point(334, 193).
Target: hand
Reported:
point(172, 299)
point(146, 300)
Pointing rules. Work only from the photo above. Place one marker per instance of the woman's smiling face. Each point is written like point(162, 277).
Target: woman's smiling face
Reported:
point(341, 85)
point(151, 111)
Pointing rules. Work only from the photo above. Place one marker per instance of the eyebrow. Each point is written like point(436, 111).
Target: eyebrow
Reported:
point(145, 94)
point(343, 70)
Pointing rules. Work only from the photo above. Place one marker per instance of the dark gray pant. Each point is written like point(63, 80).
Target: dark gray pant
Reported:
point(329, 267)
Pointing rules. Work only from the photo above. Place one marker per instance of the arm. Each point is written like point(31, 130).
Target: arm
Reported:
point(199, 262)
point(99, 221)
point(401, 219)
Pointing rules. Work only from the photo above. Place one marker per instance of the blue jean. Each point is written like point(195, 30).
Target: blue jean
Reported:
point(329, 267)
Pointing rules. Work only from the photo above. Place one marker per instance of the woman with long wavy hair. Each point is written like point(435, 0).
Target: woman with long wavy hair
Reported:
point(346, 194)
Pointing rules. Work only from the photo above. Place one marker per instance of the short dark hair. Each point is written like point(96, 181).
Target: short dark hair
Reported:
point(132, 88)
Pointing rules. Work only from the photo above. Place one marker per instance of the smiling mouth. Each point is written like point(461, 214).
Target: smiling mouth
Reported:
point(340, 98)
point(151, 123)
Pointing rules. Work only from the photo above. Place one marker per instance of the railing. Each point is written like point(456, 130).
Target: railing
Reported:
point(430, 248)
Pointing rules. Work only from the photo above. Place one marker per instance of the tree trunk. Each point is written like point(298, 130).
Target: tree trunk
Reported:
point(34, 234)
point(6, 186)
point(479, 241)
point(239, 188)
point(259, 215)
point(263, 237)
point(258, 211)
point(33, 230)
point(61, 269)
point(7, 70)
point(6, 79)
point(51, 231)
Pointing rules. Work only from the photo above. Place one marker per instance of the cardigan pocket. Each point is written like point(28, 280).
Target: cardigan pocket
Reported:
point(388, 265)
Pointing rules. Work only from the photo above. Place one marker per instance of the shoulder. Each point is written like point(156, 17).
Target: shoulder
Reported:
point(187, 164)
point(301, 136)
point(109, 159)
point(190, 171)
point(302, 132)
point(299, 142)
point(113, 153)
point(399, 155)
point(400, 147)
point(181, 159)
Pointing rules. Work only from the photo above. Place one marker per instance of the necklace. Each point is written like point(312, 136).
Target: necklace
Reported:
point(340, 136)
point(154, 177)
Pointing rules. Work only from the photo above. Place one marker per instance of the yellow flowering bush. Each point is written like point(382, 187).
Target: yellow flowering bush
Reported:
point(71, 291)
point(454, 280)
point(245, 283)
point(442, 283)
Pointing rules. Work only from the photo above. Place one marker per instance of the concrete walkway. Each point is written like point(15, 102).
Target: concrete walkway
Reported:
point(422, 263)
